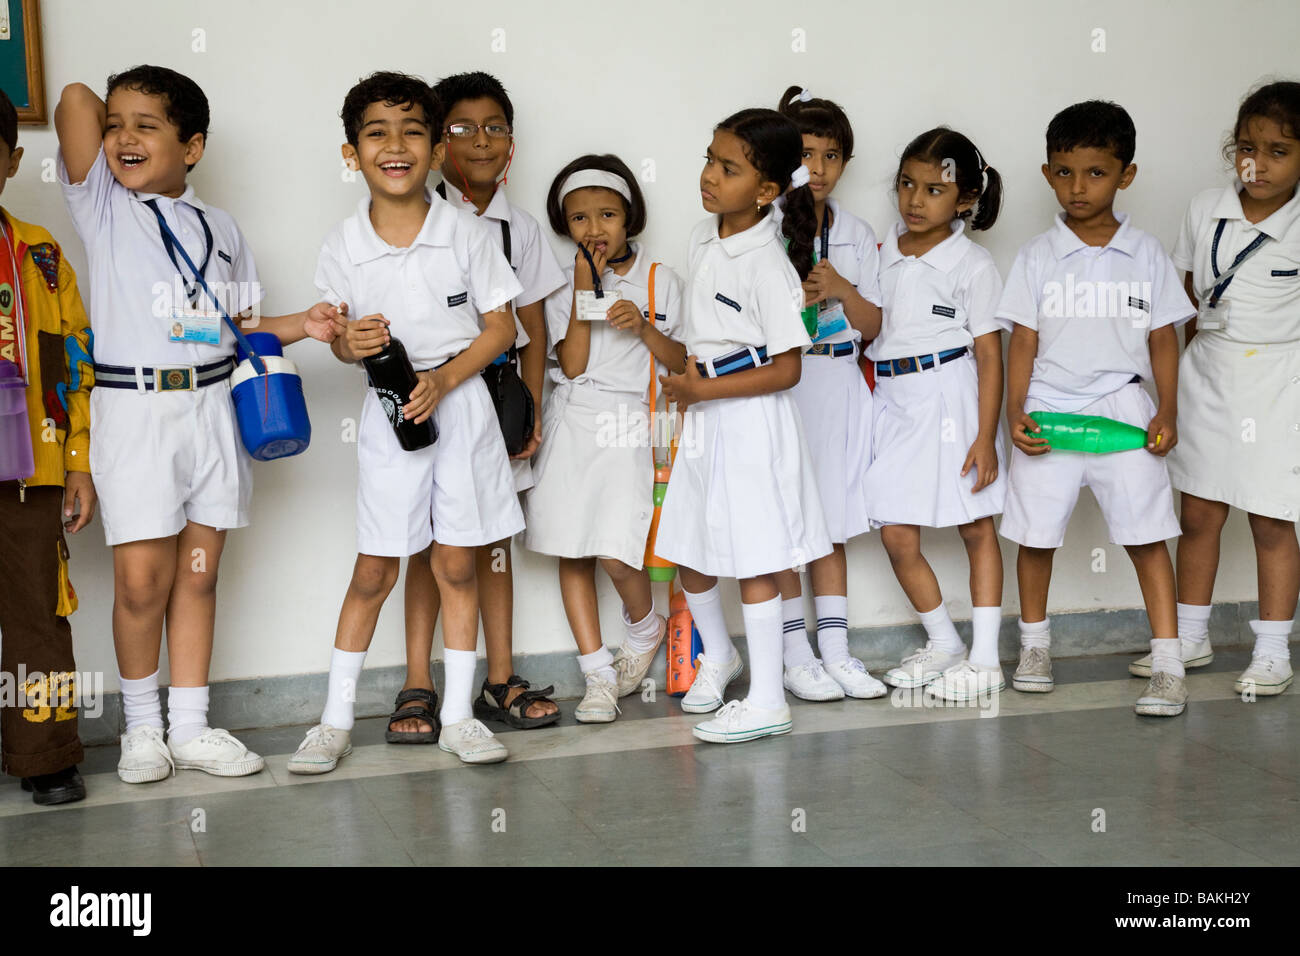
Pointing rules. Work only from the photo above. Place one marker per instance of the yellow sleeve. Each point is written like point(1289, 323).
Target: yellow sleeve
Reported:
point(77, 339)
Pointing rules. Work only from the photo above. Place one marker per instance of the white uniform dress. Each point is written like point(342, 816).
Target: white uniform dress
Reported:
point(742, 500)
point(159, 459)
point(594, 474)
point(1093, 308)
point(459, 490)
point(926, 421)
point(1239, 388)
point(834, 400)
point(535, 267)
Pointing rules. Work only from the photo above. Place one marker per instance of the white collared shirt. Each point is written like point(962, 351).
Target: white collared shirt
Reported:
point(942, 300)
point(618, 361)
point(1093, 308)
point(742, 291)
point(1264, 295)
point(431, 291)
point(132, 281)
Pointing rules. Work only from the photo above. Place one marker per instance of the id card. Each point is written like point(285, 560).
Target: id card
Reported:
point(195, 325)
point(829, 322)
point(592, 309)
point(1213, 319)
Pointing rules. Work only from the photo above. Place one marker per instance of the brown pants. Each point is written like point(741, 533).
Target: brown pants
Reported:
point(38, 724)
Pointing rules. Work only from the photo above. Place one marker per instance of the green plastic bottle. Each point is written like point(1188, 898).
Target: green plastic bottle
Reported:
point(1089, 433)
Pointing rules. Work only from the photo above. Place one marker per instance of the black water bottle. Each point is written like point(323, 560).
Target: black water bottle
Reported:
point(393, 378)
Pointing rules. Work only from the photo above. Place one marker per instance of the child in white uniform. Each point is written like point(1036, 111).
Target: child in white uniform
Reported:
point(596, 443)
point(1095, 304)
point(1242, 365)
point(742, 500)
point(427, 276)
point(937, 449)
point(168, 464)
point(835, 406)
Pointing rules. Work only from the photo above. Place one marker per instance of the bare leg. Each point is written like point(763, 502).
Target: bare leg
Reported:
point(1277, 558)
point(903, 545)
point(578, 590)
point(1198, 548)
point(192, 606)
point(1034, 577)
point(143, 572)
point(1156, 576)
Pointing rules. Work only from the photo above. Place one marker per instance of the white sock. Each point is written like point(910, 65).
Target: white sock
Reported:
point(797, 650)
point(938, 628)
point(341, 699)
point(1193, 623)
point(600, 663)
point(832, 627)
point(985, 623)
point(763, 633)
point(643, 635)
point(187, 713)
point(706, 610)
point(1037, 634)
point(1271, 639)
point(458, 694)
point(141, 704)
point(1166, 656)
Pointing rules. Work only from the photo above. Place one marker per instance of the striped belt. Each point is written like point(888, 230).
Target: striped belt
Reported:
point(916, 363)
point(737, 361)
point(838, 350)
point(163, 378)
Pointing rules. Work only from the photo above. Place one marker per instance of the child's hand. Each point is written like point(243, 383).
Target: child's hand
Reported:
point(534, 443)
point(983, 455)
point(429, 391)
point(683, 389)
point(1162, 434)
point(324, 322)
point(1023, 432)
point(625, 316)
point(79, 500)
point(813, 290)
point(583, 277)
point(368, 336)
point(831, 282)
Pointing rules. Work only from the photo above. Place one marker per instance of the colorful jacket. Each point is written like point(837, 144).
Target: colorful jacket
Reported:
point(59, 343)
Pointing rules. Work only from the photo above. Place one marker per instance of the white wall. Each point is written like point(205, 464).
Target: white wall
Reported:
point(646, 81)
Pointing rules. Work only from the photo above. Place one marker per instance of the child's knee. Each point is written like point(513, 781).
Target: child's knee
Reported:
point(373, 577)
point(1202, 517)
point(142, 591)
point(1272, 533)
point(618, 571)
point(901, 542)
point(979, 532)
point(454, 567)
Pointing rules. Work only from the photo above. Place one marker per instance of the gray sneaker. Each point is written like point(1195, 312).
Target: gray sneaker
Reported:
point(1034, 675)
point(600, 705)
point(1165, 696)
point(632, 668)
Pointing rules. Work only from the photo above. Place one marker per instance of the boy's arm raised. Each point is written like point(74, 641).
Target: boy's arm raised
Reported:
point(79, 121)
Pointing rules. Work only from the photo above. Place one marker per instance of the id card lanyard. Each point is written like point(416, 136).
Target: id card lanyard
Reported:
point(20, 329)
point(1223, 280)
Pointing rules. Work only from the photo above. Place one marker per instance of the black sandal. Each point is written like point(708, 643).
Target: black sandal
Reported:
point(491, 704)
point(422, 705)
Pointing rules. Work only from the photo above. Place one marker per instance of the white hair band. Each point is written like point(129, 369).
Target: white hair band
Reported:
point(799, 177)
point(584, 178)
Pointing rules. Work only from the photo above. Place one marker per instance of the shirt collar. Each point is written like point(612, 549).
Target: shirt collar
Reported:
point(943, 257)
point(1275, 226)
point(1065, 242)
point(755, 236)
point(365, 245)
point(498, 206)
point(186, 197)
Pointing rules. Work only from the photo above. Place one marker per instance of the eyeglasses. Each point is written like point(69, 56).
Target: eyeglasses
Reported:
point(466, 130)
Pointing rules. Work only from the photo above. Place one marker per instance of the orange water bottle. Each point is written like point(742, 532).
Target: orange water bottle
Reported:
point(684, 646)
point(660, 570)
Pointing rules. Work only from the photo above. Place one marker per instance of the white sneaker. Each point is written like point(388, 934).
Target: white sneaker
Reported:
point(711, 680)
point(600, 705)
point(1165, 696)
point(632, 668)
point(739, 721)
point(472, 742)
point(216, 752)
point(1194, 655)
point(967, 681)
point(1265, 677)
point(321, 751)
point(922, 666)
point(145, 757)
point(1034, 675)
point(811, 682)
point(854, 679)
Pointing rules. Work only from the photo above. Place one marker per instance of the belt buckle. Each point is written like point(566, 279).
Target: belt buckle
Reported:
point(905, 365)
point(174, 378)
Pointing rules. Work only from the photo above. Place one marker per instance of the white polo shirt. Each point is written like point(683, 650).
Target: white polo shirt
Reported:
point(618, 361)
point(132, 281)
point(431, 291)
point(1264, 295)
point(1093, 308)
point(942, 300)
point(854, 254)
point(742, 291)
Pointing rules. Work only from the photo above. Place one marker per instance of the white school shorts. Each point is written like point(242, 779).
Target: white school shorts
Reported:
point(160, 459)
point(1132, 487)
point(458, 491)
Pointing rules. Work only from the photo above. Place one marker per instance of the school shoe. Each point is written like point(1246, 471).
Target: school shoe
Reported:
point(600, 705)
point(711, 680)
point(216, 752)
point(739, 721)
point(145, 757)
point(472, 742)
point(1195, 655)
point(854, 679)
point(967, 681)
point(922, 666)
point(632, 668)
point(1265, 677)
point(1165, 696)
point(321, 751)
point(811, 682)
point(1034, 675)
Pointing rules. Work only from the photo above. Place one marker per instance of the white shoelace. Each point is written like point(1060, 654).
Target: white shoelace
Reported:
point(476, 731)
point(731, 711)
point(135, 743)
point(318, 736)
point(854, 664)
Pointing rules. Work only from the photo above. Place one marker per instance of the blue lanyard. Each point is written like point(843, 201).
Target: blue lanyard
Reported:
point(1241, 257)
point(826, 233)
point(170, 243)
point(591, 264)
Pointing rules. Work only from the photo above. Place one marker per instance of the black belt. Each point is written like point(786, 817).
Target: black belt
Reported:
point(737, 361)
point(164, 378)
point(837, 350)
point(917, 363)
